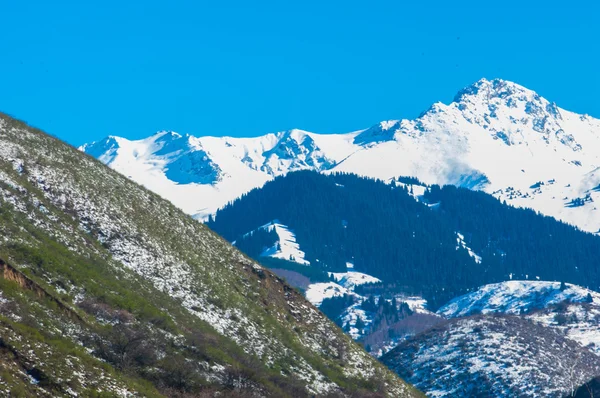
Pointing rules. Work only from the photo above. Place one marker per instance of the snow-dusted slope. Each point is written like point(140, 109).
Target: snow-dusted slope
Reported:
point(579, 322)
point(493, 356)
point(91, 261)
point(516, 297)
point(317, 292)
point(574, 310)
point(496, 136)
point(286, 247)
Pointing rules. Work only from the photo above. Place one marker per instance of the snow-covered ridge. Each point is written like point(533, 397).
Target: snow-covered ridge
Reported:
point(572, 309)
point(516, 297)
point(496, 136)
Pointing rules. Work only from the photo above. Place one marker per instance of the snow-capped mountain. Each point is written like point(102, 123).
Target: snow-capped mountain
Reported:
point(495, 136)
point(199, 175)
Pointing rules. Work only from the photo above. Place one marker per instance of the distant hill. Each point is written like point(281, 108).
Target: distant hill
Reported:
point(437, 242)
point(493, 356)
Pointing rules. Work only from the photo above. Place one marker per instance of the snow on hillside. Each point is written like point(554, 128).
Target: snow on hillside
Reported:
point(357, 319)
point(460, 240)
point(417, 191)
point(496, 136)
point(317, 292)
point(350, 319)
point(484, 356)
point(286, 247)
point(415, 303)
point(515, 297)
point(352, 279)
point(578, 322)
point(575, 310)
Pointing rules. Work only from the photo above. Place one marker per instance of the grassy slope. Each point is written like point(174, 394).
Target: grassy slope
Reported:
point(121, 275)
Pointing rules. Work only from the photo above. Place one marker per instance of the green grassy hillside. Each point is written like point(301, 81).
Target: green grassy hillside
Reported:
point(108, 290)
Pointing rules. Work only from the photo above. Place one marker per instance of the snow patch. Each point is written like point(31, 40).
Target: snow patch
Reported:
point(460, 240)
point(286, 247)
point(351, 279)
point(317, 292)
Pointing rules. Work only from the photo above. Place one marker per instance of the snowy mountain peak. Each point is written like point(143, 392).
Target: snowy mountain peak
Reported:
point(105, 150)
point(294, 150)
point(166, 135)
point(496, 136)
point(499, 103)
point(495, 88)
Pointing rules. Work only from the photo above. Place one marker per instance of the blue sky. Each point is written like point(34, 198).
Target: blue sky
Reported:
point(84, 70)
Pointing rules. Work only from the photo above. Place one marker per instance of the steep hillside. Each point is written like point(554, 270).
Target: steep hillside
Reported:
point(493, 356)
point(495, 136)
point(108, 289)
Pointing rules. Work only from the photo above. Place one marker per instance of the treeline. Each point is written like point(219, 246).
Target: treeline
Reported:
point(386, 233)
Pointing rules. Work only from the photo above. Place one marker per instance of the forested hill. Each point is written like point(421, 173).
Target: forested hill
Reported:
point(448, 241)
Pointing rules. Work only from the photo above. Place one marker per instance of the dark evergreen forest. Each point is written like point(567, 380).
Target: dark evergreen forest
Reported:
point(411, 245)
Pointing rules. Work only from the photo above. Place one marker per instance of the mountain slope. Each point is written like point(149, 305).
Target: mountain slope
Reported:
point(547, 346)
point(96, 268)
point(493, 356)
point(413, 248)
point(572, 310)
point(447, 242)
point(495, 136)
point(516, 297)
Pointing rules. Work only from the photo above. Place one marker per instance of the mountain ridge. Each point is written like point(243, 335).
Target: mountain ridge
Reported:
point(496, 136)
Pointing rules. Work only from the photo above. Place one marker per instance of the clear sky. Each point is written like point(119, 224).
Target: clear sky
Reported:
point(82, 70)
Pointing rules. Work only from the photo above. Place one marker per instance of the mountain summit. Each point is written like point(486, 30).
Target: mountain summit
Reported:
point(496, 136)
